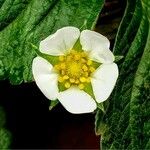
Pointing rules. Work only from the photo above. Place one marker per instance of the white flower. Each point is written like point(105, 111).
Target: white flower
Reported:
point(76, 69)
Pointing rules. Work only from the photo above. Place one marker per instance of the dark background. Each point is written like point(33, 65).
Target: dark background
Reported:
point(29, 120)
point(33, 126)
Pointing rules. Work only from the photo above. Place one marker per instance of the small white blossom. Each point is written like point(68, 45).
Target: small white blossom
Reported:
point(76, 69)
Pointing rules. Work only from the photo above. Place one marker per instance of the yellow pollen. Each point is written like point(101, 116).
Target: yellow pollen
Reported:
point(63, 72)
point(88, 80)
point(74, 69)
point(62, 65)
point(89, 62)
point(72, 80)
point(69, 58)
point(86, 74)
point(85, 68)
point(92, 69)
point(77, 81)
point(83, 60)
point(67, 85)
point(57, 67)
point(83, 54)
point(60, 79)
point(65, 77)
point(81, 86)
point(82, 79)
point(77, 57)
point(61, 58)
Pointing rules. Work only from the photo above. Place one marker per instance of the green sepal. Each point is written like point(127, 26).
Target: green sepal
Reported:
point(104, 128)
point(77, 46)
point(89, 90)
point(61, 87)
point(84, 26)
point(95, 64)
point(53, 104)
point(52, 59)
point(101, 107)
point(118, 58)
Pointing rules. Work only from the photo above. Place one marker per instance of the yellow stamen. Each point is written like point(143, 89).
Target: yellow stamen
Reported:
point(75, 68)
point(77, 81)
point(81, 86)
point(86, 74)
point(72, 80)
point(85, 68)
point(83, 54)
point(63, 72)
point(69, 58)
point(65, 77)
point(57, 67)
point(82, 79)
point(77, 57)
point(83, 60)
point(67, 85)
point(88, 80)
point(89, 62)
point(61, 58)
point(92, 69)
point(60, 79)
point(62, 65)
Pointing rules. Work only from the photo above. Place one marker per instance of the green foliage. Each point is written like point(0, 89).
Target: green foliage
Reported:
point(4, 134)
point(23, 22)
point(126, 123)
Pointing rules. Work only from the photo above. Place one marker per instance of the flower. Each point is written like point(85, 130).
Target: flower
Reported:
point(80, 71)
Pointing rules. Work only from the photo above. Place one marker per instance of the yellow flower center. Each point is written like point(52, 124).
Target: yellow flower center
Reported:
point(75, 68)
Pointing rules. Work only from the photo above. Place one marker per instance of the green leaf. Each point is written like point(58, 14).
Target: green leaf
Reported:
point(2, 117)
point(23, 22)
point(127, 116)
point(5, 136)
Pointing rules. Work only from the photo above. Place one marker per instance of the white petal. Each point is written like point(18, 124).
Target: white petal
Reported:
point(77, 101)
point(45, 78)
point(104, 80)
point(61, 41)
point(105, 56)
point(98, 45)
